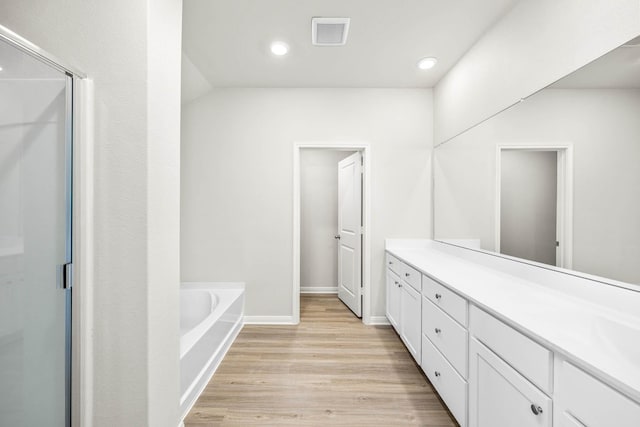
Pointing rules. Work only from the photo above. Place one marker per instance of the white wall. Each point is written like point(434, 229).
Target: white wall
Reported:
point(319, 219)
point(237, 179)
point(602, 126)
point(535, 44)
point(132, 52)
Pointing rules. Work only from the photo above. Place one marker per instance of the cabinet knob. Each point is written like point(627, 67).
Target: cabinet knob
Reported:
point(437, 374)
point(407, 274)
point(399, 285)
point(536, 409)
point(337, 237)
point(438, 296)
point(438, 330)
point(390, 262)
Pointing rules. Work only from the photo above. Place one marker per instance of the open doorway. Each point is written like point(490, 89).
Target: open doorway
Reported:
point(534, 203)
point(331, 245)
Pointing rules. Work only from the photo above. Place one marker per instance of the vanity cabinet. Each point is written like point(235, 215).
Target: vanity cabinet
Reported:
point(487, 368)
point(403, 308)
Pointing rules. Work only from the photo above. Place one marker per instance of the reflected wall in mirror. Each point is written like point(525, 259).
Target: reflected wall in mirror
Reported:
point(554, 179)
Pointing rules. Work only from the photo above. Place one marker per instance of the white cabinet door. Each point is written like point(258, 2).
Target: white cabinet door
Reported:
point(581, 397)
point(411, 320)
point(501, 397)
point(393, 299)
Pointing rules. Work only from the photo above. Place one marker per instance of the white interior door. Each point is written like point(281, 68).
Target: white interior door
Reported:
point(350, 232)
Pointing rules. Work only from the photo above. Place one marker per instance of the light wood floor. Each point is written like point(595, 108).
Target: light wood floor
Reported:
point(328, 370)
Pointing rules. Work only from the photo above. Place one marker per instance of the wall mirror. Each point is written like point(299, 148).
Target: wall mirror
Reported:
point(555, 179)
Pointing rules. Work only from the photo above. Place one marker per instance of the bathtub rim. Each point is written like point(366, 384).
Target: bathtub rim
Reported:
point(214, 361)
point(191, 337)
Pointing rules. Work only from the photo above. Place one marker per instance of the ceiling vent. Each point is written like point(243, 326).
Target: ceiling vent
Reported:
point(329, 31)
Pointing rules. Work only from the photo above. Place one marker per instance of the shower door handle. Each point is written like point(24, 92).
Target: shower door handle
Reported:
point(65, 275)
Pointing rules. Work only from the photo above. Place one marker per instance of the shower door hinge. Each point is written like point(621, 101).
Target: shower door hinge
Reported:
point(67, 275)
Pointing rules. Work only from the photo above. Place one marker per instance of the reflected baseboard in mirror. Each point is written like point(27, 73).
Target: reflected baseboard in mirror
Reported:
point(594, 111)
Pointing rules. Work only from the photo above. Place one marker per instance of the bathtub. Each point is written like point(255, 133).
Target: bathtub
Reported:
point(210, 319)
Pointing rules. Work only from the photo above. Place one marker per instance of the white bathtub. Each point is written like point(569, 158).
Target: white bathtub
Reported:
point(210, 319)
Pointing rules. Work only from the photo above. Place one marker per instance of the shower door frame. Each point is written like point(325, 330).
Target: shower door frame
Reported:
point(79, 193)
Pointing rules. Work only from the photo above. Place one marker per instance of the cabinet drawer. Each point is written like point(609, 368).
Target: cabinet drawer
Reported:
point(450, 302)
point(394, 265)
point(446, 334)
point(527, 356)
point(449, 384)
point(412, 276)
point(592, 402)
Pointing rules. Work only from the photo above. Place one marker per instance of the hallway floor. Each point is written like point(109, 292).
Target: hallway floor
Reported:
point(328, 370)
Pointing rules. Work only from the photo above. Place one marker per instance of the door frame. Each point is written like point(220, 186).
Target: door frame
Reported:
point(564, 205)
point(365, 149)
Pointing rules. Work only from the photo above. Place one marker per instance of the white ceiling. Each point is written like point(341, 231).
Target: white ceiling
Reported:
point(228, 40)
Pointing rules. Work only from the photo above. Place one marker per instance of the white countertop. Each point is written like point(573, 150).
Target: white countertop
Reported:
point(602, 338)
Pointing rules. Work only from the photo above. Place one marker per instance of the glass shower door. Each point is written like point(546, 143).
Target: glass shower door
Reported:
point(35, 240)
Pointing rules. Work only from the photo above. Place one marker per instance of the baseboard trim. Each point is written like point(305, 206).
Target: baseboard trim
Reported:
point(318, 289)
point(378, 320)
point(269, 320)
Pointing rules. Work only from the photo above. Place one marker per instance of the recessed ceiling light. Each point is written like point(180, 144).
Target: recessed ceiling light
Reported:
point(427, 63)
point(279, 48)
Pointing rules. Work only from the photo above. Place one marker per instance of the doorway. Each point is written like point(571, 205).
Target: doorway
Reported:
point(534, 203)
point(322, 251)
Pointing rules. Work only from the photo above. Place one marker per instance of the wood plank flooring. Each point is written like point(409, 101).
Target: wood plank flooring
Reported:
point(328, 370)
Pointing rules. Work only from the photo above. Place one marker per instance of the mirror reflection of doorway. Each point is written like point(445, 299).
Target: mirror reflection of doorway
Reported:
point(533, 219)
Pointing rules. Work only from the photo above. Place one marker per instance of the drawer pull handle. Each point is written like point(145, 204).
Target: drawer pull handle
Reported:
point(536, 409)
point(438, 296)
point(438, 330)
point(437, 374)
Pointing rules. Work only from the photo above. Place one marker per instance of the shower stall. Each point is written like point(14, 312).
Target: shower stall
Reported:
point(35, 236)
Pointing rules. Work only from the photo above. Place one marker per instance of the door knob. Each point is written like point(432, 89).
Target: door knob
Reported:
point(337, 236)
